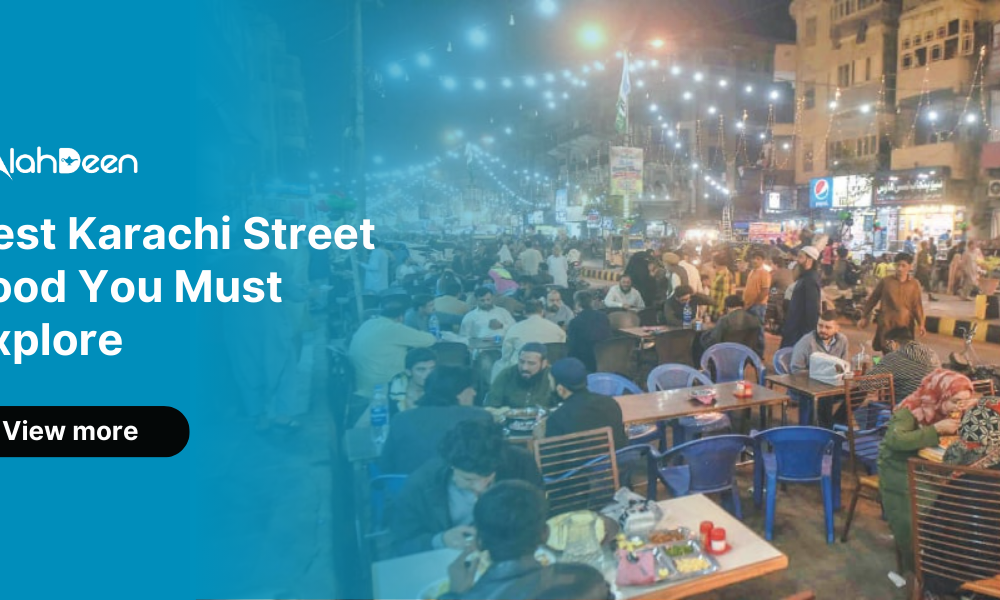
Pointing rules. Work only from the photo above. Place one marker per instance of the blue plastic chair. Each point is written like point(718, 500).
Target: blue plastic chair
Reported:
point(730, 360)
point(674, 377)
point(798, 455)
point(707, 466)
point(613, 384)
point(782, 361)
point(627, 459)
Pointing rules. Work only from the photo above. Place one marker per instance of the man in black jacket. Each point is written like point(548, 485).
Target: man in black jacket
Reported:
point(510, 519)
point(587, 328)
point(435, 507)
point(581, 409)
point(804, 308)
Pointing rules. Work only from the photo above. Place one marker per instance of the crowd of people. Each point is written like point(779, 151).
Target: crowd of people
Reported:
point(469, 487)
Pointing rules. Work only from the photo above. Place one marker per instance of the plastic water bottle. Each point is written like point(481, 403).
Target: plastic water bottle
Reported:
point(688, 315)
point(434, 326)
point(379, 416)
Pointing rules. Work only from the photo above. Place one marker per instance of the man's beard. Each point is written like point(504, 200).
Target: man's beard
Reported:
point(530, 380)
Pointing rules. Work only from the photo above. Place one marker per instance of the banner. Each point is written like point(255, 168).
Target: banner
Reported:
point(763, 232)
point(626, 171)
point(621, 109)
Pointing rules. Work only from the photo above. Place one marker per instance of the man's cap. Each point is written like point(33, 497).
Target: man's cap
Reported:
point(569, 372)
point(810, 251)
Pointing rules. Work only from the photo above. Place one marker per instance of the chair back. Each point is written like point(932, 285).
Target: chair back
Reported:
point(580, 470)
point(869, 401)
point(675, 347)
point(675, 377)
point(382, 490)
point(649, 317)
point(711, 461)
point(985, 387)
point(622, 319)
point(799, 452)
point(611, 384)
point(782, 361)
point(956, 523)
point(747, 337)
point(728, 362)
point(452, 354)
point(616, 355)
point(635, 466)
point(555, 351)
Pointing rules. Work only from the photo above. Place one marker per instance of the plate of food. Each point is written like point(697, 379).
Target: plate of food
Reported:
point(605, 529)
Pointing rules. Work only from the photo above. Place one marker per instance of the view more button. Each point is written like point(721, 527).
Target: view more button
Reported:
point(92, 431)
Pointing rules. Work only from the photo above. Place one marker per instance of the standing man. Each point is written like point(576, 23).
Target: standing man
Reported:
point(757, 290)
point(624, 295)
point(804, 306)
point(530, 259)
point(901, 305)
point(970, 268)
point(376, 270)
point(693, 276)
point(924, 266)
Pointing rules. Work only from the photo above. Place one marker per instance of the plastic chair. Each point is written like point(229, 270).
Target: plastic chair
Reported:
point(611, 384)
point(799, 455)
point(746, 337)
point(674, 377)
point(709, 466)
point(782, 361)
point(730, 360)
point(626, 462)
point(577, 471)
point(674, 347)
point(649, 317)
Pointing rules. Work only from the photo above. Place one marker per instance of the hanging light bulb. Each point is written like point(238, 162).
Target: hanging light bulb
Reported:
point(449, 46)
point(511, 22)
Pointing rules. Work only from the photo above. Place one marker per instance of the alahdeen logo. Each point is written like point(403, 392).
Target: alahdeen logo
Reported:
point(69, 161)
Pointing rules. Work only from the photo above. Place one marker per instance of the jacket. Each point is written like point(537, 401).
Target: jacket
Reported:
point(583, 332)
point(507, 390)
point(803, 310)
point(414, 435)
point(520, 579)
point(584, 411)
point(420, 510)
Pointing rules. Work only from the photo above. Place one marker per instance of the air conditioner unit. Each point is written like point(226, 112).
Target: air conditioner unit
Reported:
point(993, 191)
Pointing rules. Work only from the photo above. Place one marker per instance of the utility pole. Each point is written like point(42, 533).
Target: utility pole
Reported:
point(358, 145)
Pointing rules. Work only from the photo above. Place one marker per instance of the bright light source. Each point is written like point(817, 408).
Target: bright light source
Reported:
point(506, 82)
point(547, 8)
point(677, 144)
point(698, 76)
point(508, 130)
point(932, 115)
point(833, 104)
point(865, 108)
point(970, 118)
point(675, 70)
point(711, 110)
point(774, 94)
point(591, 35)
point(763, 136)
point(477, 37)
point(739, 125)
point(723, 83)
point(785, 146)
point(552, 105)
point(748, 89)
point(652, 108)
point(449, 83)
point(395, 70)
point(423, 60)
point(547, 94)
point(687, 95)
point(565, 95)
point(640, 83)
point(479, 84)
point(529, 81)
point(657, 43)
point(549, 77)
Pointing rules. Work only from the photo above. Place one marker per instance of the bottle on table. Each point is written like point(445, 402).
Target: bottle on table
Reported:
point(688, 315)
point(378, 415)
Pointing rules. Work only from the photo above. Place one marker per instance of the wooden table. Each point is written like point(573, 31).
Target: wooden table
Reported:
point(801, 382)
point(658, 406)
point(750, 557)
point(987, 587)
point(648, 333)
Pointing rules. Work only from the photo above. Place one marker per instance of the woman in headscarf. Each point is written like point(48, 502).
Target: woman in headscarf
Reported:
point(916, 423)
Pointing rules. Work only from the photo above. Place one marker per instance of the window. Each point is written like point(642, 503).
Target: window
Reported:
point(868, 69)
point(953, 27)
point(862, 32)
point(966, 26)
point(906, 43)
point(928, 36)
point(917, 40)
point(941, 32)
point(844, 76)
point(950, 48)
point(809, 98)
point(920, 57)
point(907, 61)
point(936, 52)
point(807, 157)
point(810, 37)
point(966, 45)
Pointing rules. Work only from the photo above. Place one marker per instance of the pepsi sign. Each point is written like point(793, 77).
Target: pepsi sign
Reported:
point(821, 192)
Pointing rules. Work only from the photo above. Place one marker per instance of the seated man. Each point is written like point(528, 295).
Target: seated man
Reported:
point(623, 295)
point(525, 384)
point(907, 360)
point(673, 308)
point(486, 320)
point(510, 522)
point(556, 311)
point(534, 328)
point(449, 307)
point(582, 410)
point(408, 386)
point(731, 327)
point(419, 315)
point(827, 339)
point(435, 507)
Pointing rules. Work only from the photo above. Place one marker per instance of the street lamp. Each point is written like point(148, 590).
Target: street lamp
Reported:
point(591, 35)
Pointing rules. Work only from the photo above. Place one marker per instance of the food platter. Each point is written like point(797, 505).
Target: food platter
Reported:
point(675, 556)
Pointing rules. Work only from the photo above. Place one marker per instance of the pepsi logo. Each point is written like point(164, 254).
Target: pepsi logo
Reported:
point(821, 189)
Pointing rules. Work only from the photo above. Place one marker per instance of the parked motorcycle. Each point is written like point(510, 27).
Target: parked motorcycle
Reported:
point(968, 363)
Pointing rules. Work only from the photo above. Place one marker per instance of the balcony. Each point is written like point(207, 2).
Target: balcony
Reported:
point(957, 156)
point(955, 75)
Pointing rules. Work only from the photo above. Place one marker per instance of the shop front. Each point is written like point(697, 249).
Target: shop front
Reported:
point(842, 207)
point(915, 203)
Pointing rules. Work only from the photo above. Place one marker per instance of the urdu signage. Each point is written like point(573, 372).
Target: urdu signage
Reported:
point(911, 187)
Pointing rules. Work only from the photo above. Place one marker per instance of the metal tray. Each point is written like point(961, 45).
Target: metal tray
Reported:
point(697, 552)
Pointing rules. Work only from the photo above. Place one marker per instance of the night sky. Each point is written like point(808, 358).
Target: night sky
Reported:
point(409, 106)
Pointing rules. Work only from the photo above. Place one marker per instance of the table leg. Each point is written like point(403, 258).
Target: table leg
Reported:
point(784, 413)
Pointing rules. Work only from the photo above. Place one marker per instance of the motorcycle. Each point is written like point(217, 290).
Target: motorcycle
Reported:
point(848, 303)
point(968, 363)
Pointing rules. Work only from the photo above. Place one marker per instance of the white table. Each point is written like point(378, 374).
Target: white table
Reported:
point(751, 556)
